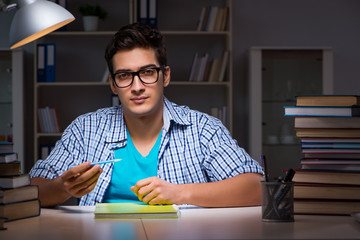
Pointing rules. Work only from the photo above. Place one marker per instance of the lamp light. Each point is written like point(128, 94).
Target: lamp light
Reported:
point(36, 18)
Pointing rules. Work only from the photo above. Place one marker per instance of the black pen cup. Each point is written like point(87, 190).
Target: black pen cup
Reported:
point(277, 201)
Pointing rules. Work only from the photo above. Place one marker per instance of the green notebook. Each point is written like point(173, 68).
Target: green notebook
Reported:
point(134, 210)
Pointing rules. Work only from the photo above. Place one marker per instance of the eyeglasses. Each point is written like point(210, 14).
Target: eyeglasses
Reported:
point(124, 79)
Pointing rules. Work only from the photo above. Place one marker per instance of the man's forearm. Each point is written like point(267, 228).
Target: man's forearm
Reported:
point(241, 190)
point(51, 191)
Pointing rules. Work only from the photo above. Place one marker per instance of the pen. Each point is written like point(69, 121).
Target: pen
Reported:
point(103, 162)
point(263, 160)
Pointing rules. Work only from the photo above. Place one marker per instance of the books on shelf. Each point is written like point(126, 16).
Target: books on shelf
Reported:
point(147, 11)
point(46, 62)
point(134, 210)
point(328, 100)
point(327, 111)
point(327, 122)
point(326, 207)
point(332, 155)
point(213, 18)
point(8, 157)
point(48, 120)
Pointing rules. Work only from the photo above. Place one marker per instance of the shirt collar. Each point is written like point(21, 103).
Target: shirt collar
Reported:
point(171, 114)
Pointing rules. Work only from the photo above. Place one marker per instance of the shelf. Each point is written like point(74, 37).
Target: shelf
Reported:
point(95, 84)
point(38, 135)
point(111, 33)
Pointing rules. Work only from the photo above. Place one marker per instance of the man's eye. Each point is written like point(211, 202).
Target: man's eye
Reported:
point(122, 76)
point(148, 72)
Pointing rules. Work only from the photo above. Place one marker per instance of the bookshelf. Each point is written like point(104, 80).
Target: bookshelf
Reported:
point(12, 99)
point(80, 64)
point(276, 76)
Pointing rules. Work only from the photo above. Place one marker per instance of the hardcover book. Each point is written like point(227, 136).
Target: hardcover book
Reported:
point(328, 100)
point(12, 195)
point(15, 181)
point(326, 191)
point(20, 210)
point(328, 177)
point(134, 210)
point(353, 111)
point(323, 207)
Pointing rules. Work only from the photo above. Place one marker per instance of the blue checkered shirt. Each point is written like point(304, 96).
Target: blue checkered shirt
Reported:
point(195, 148)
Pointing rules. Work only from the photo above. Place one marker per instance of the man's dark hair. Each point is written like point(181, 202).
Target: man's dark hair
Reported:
point(136, 35)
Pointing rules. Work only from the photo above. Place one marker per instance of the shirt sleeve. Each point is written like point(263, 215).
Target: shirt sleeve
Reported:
point(68, 152)
point(223, 156)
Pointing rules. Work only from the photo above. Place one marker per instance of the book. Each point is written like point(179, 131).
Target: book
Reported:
point(8, 157)
point(326, 191)
point(327, 122)
point(329, 150)
point(9, 169)
point(327, 111)
point(223, 66)
point(41, 62)
point(328, 100)
point(15, 181)
point(134, 210)
point(330, 140)
point(6, 147)
point(333, 155)
point(21, 194)
point(20, 210)
point(331, 145)
point(328, 177)
point(326, 207)
point(328, 132)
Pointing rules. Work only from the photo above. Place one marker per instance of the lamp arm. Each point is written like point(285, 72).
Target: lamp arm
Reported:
point(7, 7)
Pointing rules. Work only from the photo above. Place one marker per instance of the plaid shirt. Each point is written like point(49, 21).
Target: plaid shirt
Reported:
point(194, 148)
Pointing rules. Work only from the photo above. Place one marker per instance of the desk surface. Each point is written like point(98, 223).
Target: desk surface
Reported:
point(74, 222)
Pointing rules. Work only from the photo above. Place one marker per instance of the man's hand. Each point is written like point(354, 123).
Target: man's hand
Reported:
point(81, 180)
point(154, 190)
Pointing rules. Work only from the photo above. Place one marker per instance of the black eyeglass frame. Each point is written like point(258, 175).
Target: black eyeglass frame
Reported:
point(137, 73)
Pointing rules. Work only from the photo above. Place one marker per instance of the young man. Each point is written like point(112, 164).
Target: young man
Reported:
point(170, 154)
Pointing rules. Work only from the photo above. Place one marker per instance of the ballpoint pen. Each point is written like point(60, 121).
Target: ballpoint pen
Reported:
point(103, 162)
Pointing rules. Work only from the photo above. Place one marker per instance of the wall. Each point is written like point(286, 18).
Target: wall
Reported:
point(334, 23)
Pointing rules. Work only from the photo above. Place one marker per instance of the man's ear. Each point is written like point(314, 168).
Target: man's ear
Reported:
point(166, 74)
point(112, 86)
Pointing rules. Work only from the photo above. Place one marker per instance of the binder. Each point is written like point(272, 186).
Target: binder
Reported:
point(41, 49)
point(50, 62)
point(147, 12)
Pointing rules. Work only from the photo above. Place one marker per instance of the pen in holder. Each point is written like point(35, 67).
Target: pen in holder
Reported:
point(277, 197)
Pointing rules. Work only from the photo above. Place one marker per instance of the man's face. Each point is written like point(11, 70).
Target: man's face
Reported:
point(139, 99)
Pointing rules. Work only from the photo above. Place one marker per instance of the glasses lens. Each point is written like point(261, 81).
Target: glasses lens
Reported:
point(149, 75)
point(123, 79)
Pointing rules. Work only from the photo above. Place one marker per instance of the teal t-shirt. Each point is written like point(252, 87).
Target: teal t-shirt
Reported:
point(132, 168)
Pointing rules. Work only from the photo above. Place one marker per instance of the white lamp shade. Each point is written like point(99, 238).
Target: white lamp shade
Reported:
point(36, 18)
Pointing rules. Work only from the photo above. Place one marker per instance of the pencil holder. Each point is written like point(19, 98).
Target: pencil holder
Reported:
point(277, 201)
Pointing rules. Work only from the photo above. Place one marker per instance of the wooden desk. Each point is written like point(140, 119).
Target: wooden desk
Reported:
point(217, 223)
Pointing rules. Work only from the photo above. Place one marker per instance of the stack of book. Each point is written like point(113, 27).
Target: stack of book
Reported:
point(328, 127)
point(18, 199)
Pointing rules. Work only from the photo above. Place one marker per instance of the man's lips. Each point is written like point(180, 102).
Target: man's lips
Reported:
point(138, 100)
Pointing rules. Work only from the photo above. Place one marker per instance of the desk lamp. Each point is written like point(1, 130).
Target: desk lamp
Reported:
point(34, 19)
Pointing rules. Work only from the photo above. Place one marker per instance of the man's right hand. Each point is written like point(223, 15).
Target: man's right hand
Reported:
point(81, 180)
point(77, 182)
